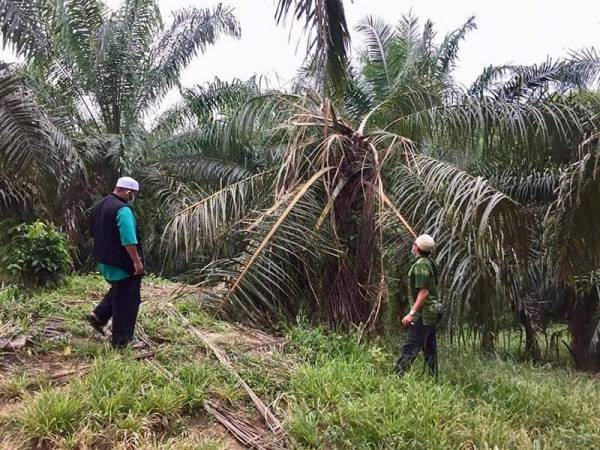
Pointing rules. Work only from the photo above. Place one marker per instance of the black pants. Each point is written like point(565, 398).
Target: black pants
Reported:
point(420, 338)
point(122, 303)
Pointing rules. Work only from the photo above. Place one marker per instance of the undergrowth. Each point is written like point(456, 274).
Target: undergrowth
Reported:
point(330, 390)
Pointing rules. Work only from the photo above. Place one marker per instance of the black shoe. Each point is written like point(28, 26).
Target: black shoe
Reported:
point(399, 369)
point(91, 319)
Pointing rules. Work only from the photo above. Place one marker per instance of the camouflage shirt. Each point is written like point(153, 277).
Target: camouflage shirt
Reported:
point(422, 275)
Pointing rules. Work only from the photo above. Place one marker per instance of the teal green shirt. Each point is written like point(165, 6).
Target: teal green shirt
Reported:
point(127, 225)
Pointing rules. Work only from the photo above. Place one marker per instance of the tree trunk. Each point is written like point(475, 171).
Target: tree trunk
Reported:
point(532, 346)
point(581, 326)
point(486, 316)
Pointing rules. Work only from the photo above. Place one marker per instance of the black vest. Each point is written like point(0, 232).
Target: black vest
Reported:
point(107, 239)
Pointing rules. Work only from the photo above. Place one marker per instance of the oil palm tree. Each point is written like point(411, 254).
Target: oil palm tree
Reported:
point(105, 73)
point(36, 154)
point(397, 144)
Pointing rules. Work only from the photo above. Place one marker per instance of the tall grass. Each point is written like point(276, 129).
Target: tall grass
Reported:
point(331, 390)
point(346, 396)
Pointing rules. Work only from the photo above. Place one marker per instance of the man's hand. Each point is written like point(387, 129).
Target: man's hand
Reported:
point(138, 268)
point(408, 320)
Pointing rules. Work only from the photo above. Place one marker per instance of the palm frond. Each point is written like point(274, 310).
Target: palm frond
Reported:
point(191, 32)
point(525, 184)
point(488, 77)
point(218, 100)
point(27, 135)
point(570, 234)
point(479, 230)
point(585, 64)
point(23, 26)
point(448, 51)
point(32, 148)
point(328, 37)
point(204, 222)
point(537, 81)
point(377, 35)
point(269, 281)
point(78, 23)
point(499, 124)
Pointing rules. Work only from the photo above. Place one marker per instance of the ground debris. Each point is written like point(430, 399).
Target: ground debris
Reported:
point(275, 428)
point(13, 343)
point(247, 432)
point(246, 339)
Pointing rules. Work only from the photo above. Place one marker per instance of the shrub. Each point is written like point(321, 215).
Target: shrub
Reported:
point(35, 255)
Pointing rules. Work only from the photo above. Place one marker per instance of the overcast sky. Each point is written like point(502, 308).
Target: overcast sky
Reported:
point(510, 31)
point(517, 31)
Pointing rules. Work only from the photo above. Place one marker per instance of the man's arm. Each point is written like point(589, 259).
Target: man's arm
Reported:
point(126, 224)
point(132, 251)
point(418, 306)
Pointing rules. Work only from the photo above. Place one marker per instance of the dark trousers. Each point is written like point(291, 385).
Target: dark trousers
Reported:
point(121, 303)
point(420, 338)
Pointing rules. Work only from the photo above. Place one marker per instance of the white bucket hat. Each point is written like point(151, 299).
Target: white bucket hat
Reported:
point(128, 183)
point(425, 243)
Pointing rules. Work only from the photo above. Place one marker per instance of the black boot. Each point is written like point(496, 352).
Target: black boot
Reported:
point(93, 321)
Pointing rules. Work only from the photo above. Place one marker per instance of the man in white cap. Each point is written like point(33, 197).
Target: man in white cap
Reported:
point(119, 253)
point(425, 311)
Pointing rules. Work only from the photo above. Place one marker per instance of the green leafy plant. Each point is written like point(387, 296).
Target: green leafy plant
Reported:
point(35, 255)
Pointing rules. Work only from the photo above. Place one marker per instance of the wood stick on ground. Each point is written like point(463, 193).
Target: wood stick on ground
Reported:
point(242, 430)
point(269, 418)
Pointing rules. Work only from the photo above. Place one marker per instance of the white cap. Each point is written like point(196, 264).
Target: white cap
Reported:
point(425, 243)
point(128, 183)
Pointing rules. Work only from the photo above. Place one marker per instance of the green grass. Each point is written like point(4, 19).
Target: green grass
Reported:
point(330, 391)
point(16, 386)
point(347, 397)
point(125, 396)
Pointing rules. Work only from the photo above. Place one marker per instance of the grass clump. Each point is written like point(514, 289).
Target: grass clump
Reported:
point(331, 390)
point(15, 387)
point(54, 414)
point(346, 396)
point(119, 392)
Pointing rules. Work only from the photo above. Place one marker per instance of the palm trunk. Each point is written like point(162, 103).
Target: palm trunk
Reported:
point(348, 280)
point(485, 316)
point(581, 326)
point(532, 346)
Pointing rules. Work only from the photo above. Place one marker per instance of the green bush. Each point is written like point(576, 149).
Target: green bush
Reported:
point(35, 255)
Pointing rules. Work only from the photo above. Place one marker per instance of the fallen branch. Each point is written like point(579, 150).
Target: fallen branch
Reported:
point(243, 430)
point(14, 343)
point(270, 419)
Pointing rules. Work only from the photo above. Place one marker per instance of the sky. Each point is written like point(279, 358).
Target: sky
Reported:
point(509, 31)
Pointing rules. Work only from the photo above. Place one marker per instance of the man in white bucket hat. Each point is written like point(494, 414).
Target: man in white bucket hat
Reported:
point(425, 311)
point(119, 253)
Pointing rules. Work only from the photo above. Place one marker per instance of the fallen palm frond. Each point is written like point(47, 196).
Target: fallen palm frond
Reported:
point(245, 431)
point(274, 424)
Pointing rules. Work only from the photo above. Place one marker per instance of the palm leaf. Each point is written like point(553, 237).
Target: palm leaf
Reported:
point(328, 37)
point(270, 279)
point(191, 32)
point(23, 26)
point(204, 221)
point(448, 51)
point(478, 229)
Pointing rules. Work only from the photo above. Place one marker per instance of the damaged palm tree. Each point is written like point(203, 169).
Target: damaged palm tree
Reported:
point(319, 246)
point(350, 174)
